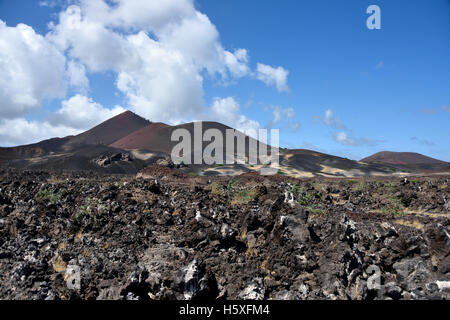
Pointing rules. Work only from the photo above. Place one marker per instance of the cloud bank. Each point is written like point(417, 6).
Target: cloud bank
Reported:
point(161, 53)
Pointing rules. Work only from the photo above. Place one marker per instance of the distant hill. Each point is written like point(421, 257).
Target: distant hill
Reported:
point(401, 158)
point(410, 162)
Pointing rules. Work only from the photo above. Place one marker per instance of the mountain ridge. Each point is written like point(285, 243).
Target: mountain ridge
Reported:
point(131, 134)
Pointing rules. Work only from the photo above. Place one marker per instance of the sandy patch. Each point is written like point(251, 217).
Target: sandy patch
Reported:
point(410, 223)
point(142, 155)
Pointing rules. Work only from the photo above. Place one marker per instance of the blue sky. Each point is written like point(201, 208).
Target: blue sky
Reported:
point(351, 91)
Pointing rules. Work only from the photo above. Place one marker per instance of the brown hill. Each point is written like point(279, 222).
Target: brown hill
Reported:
point(144, 138)
point(401, 158)
point(156, 137)
point(109, 131)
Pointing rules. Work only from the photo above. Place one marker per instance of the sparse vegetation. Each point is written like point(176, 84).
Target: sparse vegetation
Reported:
point(244, 196)
point(394, 206)
point(348, 183)
point(304, 198)
point(48, 196)
point(315, 211)
point(91, 209)
point(217, 190)
point(388, 188)
point(230, 185)
point(360, 186)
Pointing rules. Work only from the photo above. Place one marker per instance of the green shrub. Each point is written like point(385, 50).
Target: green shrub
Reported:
point(91, 209)
point(217, 190)
point(394, 206)
point(360, 186)
point(244, 196)
point(315, 211)
point(303, 198)
point(231, 185)
point(48, 196)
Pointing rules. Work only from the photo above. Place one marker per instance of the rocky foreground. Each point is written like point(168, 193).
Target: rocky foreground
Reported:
point(166, 235)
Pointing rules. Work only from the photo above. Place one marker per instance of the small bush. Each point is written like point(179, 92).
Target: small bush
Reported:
point(315, 211)
point(394, 206)
point(231, 185)
point(91, 209)
point(360, 186)
point(244, 196)
point(303, 198)
point(217, 190)
point(48, 196)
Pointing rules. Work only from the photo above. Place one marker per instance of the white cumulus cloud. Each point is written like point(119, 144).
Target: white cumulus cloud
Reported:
point(158, 51)
point(77, 75)
point(342, 138)
point(273, 76)
point(81, 112)
point(283, 116)
point(330, 120)
point(22, 131)
point(76, 114)
point(227, 111)
point(31, 69)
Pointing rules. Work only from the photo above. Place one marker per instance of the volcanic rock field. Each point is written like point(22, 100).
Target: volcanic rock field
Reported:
point(164, 234)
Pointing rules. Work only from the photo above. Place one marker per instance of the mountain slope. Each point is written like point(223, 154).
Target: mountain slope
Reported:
point(82, 159)
point(34, 150)
point(156, 137)
point(109, 131)
point(144, 138)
